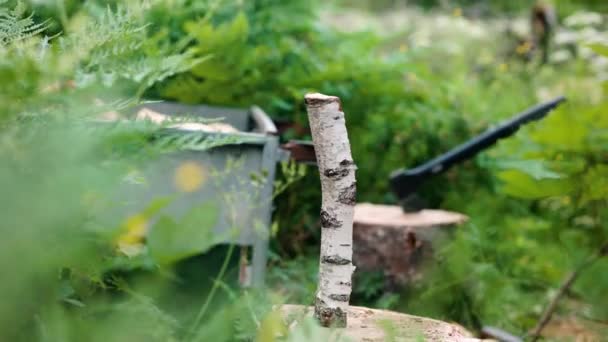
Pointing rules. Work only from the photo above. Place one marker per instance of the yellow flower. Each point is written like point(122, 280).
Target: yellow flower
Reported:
point(403, 48)
point(189, 176)
point(131, 241)
point(457, 12)
point(502, 67)
point(523, 48)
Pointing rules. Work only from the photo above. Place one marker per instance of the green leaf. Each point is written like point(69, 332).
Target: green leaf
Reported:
point(156, 206)
point(170, 241)
point(307, 329)
point(534, 168)
point(563, 130)
point(596, 184)
point(74, 302)
point(520, 184)
point(600, 49)
point(223, 35)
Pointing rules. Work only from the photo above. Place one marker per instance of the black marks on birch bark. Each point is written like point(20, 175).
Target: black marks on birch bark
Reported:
point(337, 173)
point(341, 171)
point(347, 162)
point(348, 195)
point(340, 297)
point(335, 260)
point(329, 317)
point(329, 221)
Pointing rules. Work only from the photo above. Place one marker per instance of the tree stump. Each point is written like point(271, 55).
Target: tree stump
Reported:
point(371, 325)
point(397, 243)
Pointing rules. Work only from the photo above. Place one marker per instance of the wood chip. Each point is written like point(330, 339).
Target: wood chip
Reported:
point(158, 118)
point(146, 114)
point(212, 127)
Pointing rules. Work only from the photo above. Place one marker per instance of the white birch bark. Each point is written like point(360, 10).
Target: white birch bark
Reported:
point(338, 186)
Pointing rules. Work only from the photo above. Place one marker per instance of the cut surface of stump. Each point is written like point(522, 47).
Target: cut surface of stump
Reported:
point(387, 239)
point(371, 325)
point(393, 216)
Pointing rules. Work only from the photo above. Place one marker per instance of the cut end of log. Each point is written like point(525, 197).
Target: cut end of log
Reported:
point(318, 100)
point(393, 216)
point(397, 243)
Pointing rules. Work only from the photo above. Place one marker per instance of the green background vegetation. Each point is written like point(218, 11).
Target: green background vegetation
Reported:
point(536, 202)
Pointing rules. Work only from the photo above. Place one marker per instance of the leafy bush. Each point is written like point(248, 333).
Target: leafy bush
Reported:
point(273, 52)
point(480, 7)
point(506, 264)
point(68, 277)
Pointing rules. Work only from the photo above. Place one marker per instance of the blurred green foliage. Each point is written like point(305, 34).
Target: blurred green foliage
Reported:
point(273, 52)
point(404, 104)
point(481, 7)
point(65, 275)
point(506, 264)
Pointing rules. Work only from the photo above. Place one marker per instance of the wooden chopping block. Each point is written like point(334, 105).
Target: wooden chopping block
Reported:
point(372, 325)
point(385, 238)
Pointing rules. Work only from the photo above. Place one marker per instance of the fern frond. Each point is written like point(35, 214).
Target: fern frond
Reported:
point(107, 34)
point(117, 47)
point(13, 27)
point(171, 140)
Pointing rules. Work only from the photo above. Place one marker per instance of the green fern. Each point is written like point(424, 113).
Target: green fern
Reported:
point(14, 27)
point(117, 48)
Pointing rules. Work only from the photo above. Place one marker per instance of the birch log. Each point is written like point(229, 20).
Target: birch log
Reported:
point(338, 186)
